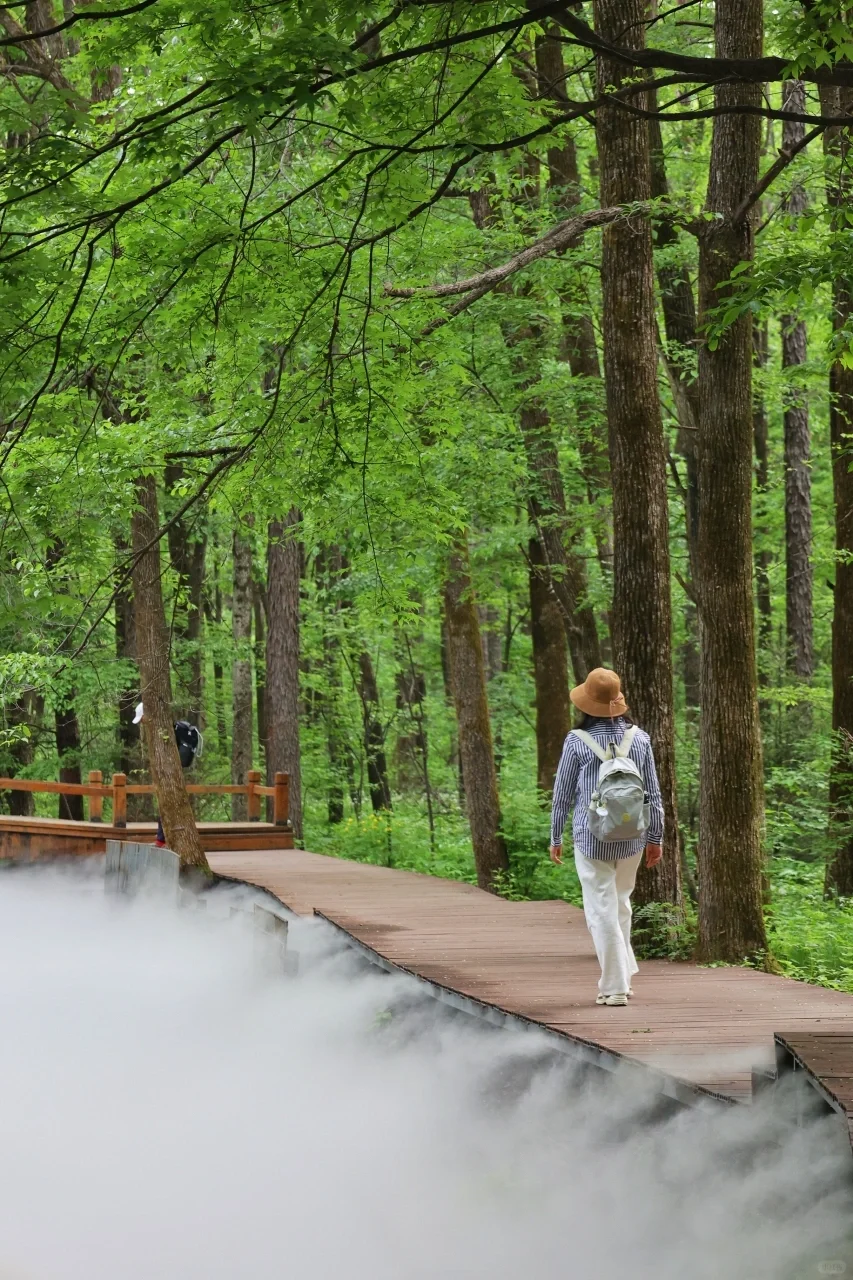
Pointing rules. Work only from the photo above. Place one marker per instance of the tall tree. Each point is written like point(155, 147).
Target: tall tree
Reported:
point(642, 610)
point(550, 670)
point(839, 194)
point(763, 556)
point(284, 575)
point(378, 782)
point(66, 724)
point(152, 645)
point(259, 610)
point(798, 498)
point(731, 806)
point(187, 549)
point(679, 352)
point(241, 669)
point(547, 498)
point(468, 683)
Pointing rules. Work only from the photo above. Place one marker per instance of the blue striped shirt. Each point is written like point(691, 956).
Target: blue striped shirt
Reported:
point(577, 778)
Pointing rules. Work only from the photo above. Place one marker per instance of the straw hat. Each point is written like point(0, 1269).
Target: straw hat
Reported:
point(600, 694)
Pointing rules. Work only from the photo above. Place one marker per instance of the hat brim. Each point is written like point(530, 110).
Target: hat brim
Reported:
point(581, 699)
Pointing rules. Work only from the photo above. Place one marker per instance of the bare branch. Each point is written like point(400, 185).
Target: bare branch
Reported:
point(559, 237)
point(786, 155)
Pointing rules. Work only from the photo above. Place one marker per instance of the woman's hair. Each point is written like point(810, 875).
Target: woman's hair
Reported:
point(586, 721)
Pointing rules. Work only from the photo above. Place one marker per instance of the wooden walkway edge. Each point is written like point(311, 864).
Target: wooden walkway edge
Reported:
point(700, 1031)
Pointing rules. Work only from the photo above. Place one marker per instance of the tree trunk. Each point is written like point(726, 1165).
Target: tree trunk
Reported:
point(468, 683)
point(66, 727)
point(577, 338)
point(241, 670)
point(679, 316)
point(187, 549)
point(19, 715)
point(131, 764)
point(284, 575)
point(839, 871)
point(763, 556)
point(550, 671)
point(549, 516)
point(374, 735)
point(731, 802)
point(152, 643)
point(642, 610)
point(547, 500)
point(799, 623)
point(213, 612)
point(68, 750)
point(260, 652)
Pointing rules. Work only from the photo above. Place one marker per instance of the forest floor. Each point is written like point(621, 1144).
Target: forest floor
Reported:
point(811, 938)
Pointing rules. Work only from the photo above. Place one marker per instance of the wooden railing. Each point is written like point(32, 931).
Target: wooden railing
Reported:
point(118, 789)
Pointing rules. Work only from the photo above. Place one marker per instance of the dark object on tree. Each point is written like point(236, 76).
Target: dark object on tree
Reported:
point(468, 682)
point(641, 619)
point(188, 740)
point(152, 640)
point(730, 858)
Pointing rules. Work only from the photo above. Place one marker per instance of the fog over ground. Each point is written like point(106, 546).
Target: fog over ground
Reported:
point(168, 1114)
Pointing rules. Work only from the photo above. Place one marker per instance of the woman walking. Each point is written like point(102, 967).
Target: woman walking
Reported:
point(607, 776)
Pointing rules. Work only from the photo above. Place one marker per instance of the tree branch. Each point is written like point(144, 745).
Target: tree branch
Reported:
point(753, 70)
point(786, 155)
point(559, 237)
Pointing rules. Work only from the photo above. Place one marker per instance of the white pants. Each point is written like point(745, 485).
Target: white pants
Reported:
point(607, 889)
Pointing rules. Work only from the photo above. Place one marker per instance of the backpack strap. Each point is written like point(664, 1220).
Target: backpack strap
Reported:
point(592, 744)
point(625, 745)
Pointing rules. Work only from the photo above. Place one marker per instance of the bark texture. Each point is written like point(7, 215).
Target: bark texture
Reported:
point(20, 714)
point(731, 804)
point(642, 612)
point(468, 684)
point(131, 764)
point(187, 550)
point(152, 643)
point(550, 670)
point(577, 339)
point(549, 516)
point(284, 575)
point(374, 735)
point(68, 750)
point(762, 554)
point(799, 622)
point(241, 670)
point(547, 499)
point(839, 871)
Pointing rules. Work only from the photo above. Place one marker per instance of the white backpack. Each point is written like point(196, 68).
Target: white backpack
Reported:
point(618, 808)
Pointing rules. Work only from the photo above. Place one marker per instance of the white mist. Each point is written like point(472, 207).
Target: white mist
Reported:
point(167, 1115)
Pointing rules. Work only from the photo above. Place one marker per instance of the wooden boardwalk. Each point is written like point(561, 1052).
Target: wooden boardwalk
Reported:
point(705, 1028)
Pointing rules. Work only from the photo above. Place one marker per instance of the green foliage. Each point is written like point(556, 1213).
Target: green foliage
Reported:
point(196, 266)
point(811, 937)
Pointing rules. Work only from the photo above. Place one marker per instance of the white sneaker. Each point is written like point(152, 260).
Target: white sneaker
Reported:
point(618, 1000)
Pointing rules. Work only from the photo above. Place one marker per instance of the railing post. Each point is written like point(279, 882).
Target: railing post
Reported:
point(281, 799)
point(253, 799)
point(96, 803)
point(119, 799)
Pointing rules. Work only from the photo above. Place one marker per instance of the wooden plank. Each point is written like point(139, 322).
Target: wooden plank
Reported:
point(708, 1027)
point(29, 839)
